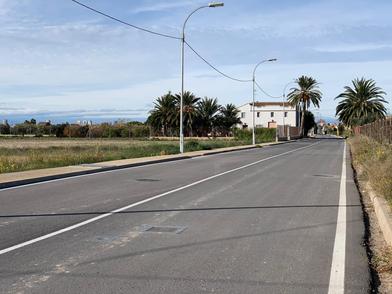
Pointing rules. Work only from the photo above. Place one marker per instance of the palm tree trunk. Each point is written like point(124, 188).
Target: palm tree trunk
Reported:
point(303, 120)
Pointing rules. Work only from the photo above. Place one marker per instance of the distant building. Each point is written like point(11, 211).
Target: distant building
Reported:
point(45, 123)
point(84, 122)
point(321, 123)
point(321, 127)
point(269, 115)
point(120, 121)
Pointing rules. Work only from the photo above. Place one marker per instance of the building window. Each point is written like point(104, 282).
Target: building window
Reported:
point(242, 114)
point(258, 114)
point(272, 114)
point(285, 114)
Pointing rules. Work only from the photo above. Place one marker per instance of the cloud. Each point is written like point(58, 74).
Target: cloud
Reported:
point(202, 76)
point(62, 57)
point(163, 6)
point(96, 115)
point(305, 19)
point(6, 7)
point(339, 48)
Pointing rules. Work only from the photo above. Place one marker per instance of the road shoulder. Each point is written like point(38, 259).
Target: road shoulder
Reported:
point(9, 180)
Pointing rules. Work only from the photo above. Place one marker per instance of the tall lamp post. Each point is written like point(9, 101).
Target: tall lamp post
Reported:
point(254, 92)
point(284, 101)
point(211, 5)
point(284, 96)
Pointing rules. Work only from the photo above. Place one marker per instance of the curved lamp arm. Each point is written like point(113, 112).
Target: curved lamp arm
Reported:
point(261, 62)
point(211, 5)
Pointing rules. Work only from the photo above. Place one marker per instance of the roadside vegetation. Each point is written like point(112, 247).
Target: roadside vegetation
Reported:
point(119, 129)
point(374, 160)
point(362, 107)
point(207, 125)
point(19, 154)
point(201, 117)
point(34, 153)
point(263, 135)
point(364, 103)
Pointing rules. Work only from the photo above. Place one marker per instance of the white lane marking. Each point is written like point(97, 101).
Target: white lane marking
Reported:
point(94, 219)
point(98, 172)
point(336, 280)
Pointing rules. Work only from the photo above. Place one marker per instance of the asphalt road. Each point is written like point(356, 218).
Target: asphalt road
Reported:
point(255, 221)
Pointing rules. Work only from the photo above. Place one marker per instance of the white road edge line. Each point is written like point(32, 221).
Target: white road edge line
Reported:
point(94, 219)
point(336, 280)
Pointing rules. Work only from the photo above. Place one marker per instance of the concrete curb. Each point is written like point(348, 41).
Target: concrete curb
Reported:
point(81, 172)
point(31, 177)
point(383, 214)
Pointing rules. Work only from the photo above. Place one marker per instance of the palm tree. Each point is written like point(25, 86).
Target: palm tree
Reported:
point(228, 118)
point(189, 110)
point(364, 103)
point(207, 110)
point(163, 116)
point(307, 93)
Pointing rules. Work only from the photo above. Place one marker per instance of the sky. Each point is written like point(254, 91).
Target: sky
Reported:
point(59, 61)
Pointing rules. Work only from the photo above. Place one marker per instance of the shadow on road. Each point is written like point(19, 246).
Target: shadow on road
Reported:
point(176, 210)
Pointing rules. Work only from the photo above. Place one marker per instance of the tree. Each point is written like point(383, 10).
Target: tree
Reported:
point(309, 122)
point(20, 129)
point(228, 118)
point(207, 110)
point(189, 111)
point(5, 128)
point(305, 94)
point(164, 114)
point(364, 103)
point(59, 130)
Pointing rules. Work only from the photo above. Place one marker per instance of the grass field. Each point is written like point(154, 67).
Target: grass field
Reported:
point(19, 154)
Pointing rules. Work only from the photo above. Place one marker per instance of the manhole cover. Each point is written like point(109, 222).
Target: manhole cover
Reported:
point(147, 180)
point(163, 229)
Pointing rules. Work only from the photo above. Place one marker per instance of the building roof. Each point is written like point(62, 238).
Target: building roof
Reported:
point(262, 104)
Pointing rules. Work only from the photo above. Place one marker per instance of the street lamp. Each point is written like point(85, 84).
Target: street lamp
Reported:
point(284, 101)
point(210, 5)
point(254, 92)
point(284, 96)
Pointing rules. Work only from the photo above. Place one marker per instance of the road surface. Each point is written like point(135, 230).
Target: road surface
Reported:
point(257, 221)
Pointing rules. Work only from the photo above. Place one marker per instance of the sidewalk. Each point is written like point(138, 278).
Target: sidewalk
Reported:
point(33, 176)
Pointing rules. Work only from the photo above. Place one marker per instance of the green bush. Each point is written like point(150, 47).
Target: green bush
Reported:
point(192, 145)
point(140, 131)
point(262, 135)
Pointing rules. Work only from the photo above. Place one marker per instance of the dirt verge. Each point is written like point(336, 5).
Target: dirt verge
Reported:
point(378, 251)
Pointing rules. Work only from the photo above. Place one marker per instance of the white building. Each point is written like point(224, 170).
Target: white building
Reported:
point(84, 122)
point(269, 115)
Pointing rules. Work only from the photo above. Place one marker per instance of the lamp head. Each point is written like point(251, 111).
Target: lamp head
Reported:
point(216, 4)
point(273, 59)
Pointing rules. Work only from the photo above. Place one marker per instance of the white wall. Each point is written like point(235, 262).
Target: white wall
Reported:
point(265, 115)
